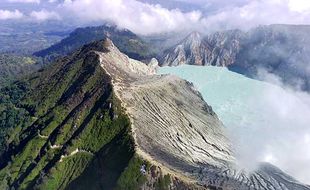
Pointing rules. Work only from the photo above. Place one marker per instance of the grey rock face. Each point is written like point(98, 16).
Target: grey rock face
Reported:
point(217, 49)
point(280, 49)
point(266, 177)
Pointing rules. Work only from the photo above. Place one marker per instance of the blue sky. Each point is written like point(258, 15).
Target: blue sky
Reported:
point(158, 16)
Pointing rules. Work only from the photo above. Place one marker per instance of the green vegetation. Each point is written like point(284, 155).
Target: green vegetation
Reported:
point(107, 165)
point(24, 38)
point(132, 178)
point(61, 124)
point(14, 66)
point(65, 171)
point(163, 182)
point(12, 116)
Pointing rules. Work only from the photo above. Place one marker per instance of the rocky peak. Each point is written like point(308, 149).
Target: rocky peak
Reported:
point(218, 49)
point(107, 43)
point(193, 39)
point(116, 61)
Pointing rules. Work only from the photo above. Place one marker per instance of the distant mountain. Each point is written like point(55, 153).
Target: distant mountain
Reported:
point(25, 38)
point(15, 66)
point(281, 49)
point(187, 52)
point(128, 42)
point(97, 119)
point(217, 49)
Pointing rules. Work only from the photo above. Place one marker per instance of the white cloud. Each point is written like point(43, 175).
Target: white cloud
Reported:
point(40, 16)
point(299, 5)
point(280, 134)
point(145, 18)
point(137, 16)
point(6, 14)
point(259, 12)
point(44, 15)
point(24, 1)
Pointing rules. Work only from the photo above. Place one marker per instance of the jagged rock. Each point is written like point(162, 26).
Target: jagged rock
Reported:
point(218, 49)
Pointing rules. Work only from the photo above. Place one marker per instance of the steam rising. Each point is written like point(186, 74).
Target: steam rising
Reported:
point(267, 122)
point(283, 135)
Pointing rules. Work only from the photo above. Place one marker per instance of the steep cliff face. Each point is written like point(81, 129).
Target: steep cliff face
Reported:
point(188, 51)
point(281, 49)
point(217, 49)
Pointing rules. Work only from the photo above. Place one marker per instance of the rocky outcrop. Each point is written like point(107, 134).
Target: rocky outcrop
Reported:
point(189, 51)
point(218, 49)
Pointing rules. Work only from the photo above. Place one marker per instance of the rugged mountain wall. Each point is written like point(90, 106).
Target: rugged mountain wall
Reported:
point(281, 49)
point(219, 49)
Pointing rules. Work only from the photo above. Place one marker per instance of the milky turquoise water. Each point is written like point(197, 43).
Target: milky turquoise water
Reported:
point(227, 92)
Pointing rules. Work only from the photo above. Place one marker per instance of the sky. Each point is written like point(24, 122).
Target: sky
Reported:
point(160, 16)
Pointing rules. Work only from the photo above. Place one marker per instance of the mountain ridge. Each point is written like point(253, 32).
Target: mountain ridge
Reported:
point(75, 123)
point(215, 49)
point(127, 41)
point(99, 110)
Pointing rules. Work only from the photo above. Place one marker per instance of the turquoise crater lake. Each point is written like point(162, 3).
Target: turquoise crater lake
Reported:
point(265, 121)
point(227, 92)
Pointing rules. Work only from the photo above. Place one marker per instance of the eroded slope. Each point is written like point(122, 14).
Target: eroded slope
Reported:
point(176, 129)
